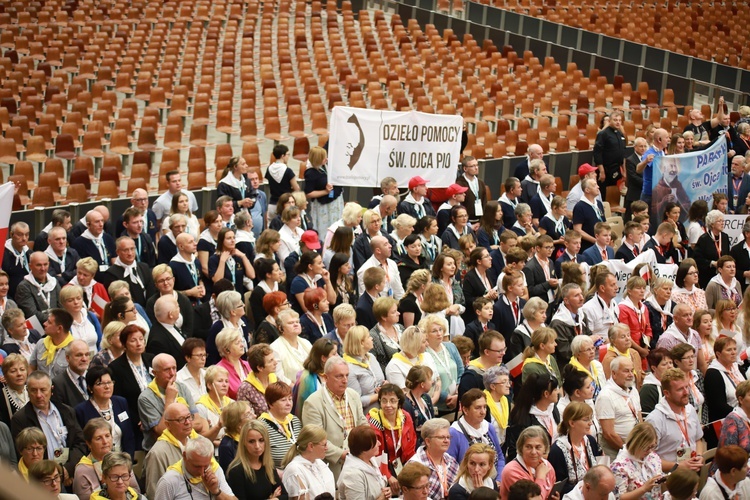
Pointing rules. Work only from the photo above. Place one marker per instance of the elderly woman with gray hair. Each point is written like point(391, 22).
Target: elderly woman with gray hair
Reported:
point(585, 360)
point(532, 445)
point(231, 347)
point(433, 454)
point(713, 244)
point(18, 338)
point(231, 311)
point(496, 390)
point(534, 314)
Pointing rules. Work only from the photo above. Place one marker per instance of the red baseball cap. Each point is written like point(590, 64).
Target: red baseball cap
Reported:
point(416, 181)
point(310, 239)
point(455, 189)
point(585, 169)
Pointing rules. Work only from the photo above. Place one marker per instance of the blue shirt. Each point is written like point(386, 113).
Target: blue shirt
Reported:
point(648, 172)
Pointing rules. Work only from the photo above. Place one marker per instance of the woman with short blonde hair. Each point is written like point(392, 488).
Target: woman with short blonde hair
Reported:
point(231, 348)
point(111, 346)
point(413, 345)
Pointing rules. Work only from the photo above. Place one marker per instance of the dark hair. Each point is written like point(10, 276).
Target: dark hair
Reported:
point(115, 309)
point(437, 266)
point(342, 239)
point(279, 150)
point(475, 256)
point(483, 493)
point(470, 396)
point(192, 344)
point(94, 374)
point(656, 356)
point(698, 211)
point(220, 239)
point(276, 391)
point(573, 379)
point(314, 362)
point(128, 331)
point(361, 439)
point(532, 391)
point(454, 211)
point(210, 217)
point(62, 318)
point(668, 208)
point(305, 260)
point(256, 356)
point(389, 388)
point(264, 267)
point(487, 221)
point(523, 490)
point(423, 224)
point(334, 268)
point(682, 271)
point(411, 239)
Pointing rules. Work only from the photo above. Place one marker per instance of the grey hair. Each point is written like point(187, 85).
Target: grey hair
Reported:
point(19, 225)
point(746, 227)
point(242, 219)
point(585, 183)
point(532, 432)
point(332, 363)
point(522, 209)
point(114, 459)
point(200, 446)
point(713, 216)
point(680, 306)
point(742, 128)
point(39, 375)
point(433, 425)
point(10, 315)
point(568, 288)
point(175, 218)
point(578, 343)
point(535, 165)
point(160, 359)
point(226, 301)
point(595, 475)
point(492, 374)
point(71, 346)
point(661, 282)
point(533, 306)
point(615, 364)
point(615, 329)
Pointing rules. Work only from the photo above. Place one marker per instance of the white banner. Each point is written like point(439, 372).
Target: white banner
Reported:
point(623, 271)
point(367, 145)
point(733, 227)
point(7, 191)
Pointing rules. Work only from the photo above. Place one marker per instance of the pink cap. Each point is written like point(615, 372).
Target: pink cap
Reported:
point(416, 181)
point(455, 189)
point(310, 239)
point(585, 169)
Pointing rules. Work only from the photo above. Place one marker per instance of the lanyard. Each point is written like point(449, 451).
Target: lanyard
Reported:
point(193, 272)
point(683, 425)
point(586, 464)
point(102, 250)
point(232, 266)
point(138, 248)
point(717, 244)
point(396, 444)
point(442, 472)
point(321, 326)
point(141, 375)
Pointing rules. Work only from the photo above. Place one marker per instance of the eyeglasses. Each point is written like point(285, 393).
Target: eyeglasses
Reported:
point(424, 487)
point(129, 310)
point(35, 449)
point(52, 480)
point(202, 355)
point(105, 384)
point(181, 420)
point(164, 281)
point(442, 438)
point(688, 358)
point(499, 351)
point(121, 478)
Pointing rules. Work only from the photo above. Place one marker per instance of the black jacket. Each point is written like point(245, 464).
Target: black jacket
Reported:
point(139, 294)
point(635, 180)
point(705, 252)
point(186, 309)
point(742, 260)
point(161, 341)
point(365, 316)
point(127, 387)
point(536, 280)
point(609, 151)
point(474, 331)
point(473, 289)
point(64, 391)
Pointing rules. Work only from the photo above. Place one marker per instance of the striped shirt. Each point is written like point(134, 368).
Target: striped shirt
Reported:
point(279, 442)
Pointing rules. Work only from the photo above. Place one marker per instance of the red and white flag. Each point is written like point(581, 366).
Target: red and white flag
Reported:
point(33, 323)
point(644, 272)
point(515, 366)
point(6, 207)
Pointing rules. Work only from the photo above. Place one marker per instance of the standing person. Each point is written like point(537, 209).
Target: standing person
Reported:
point(326, 202)
point(509, 200)
point(541, 203)
point(476, 195)
point(634, 180)
point(456, 196)
point(417, 402)
point(282, 425)
point(163, 203)
point(365, 375)
point(575, 450)
point(730, 480)
point(661, 141)
point(609, 151)
point(588, 212)
point(601, 310)
point(62, 259)
point(234, 184)
point(416, 202)
point(724, 286)
point(633, 313)
point(475, 472)
point(228, 262)
point(585, 171)
point(259, 207)
point(360, 479)
point(618, 407)
point(722, 378)
point(16, 255)
point(280, 177)
point(541, 277)
point(569, 321)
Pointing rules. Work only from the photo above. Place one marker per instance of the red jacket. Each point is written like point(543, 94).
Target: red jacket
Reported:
point(387, 444)
point(638, 326)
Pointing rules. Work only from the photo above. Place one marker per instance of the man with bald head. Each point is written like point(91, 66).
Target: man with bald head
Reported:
point(80, 227)
point(139, 201)
point(62, 259)
point(94, 242)
point(535, 152)
point(38, 292)
point(186, 268)
point(136, 274)
point(387, 210)
point(661, 141)
point(165, 336)
point(597, 484)
point(381, 253)
point(161, 392)
point(16, 256)
point(70, 387)
point(178, 428)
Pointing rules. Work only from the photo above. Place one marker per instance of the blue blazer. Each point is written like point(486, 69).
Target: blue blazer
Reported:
point(460, 443)
point(593, 257)
point(98, 327)
point(86, 411)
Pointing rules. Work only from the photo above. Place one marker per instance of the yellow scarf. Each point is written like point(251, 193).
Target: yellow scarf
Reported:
point(357, 362)
point(23, 469)
point(375, 414)
point(253, 380)
point(206, 401)
point(236, 437)
point(286, 424)
point(131, 495)
point(477, 364)
point(499, 411)
point(534, 359)
point(51, 349)
point(399, 355)
point(193, 480)
point(169, 438)
point(613, 349)
point(152, 385)
point(594, 373)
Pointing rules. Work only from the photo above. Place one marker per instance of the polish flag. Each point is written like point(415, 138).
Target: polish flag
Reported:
point(7, 191)
point(515, 366)
point(33, 323)
point(644, 272)
point(98, 305)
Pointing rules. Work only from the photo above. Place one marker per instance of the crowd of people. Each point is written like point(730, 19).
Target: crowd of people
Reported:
point(299, 346)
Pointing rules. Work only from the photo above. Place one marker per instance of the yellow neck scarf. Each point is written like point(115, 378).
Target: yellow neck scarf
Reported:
point(357, 362)
point(376, 414)
point(236, 437)
point(131, 494)
point(400, 356)
point(152, 385)
point(23, 469)
point(286, 424)
point(193, 480)
point(209, 403)
point(477, 364)
point(499, 411)
point(594, 373)
point(613, 349)
point(253, 380)
point(51, 349)
point(169, 438)
point(534, 359)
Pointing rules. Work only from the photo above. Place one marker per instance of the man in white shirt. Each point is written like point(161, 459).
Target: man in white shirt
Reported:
point(597, 484)
point(163, 203)
point(681, 331)
point(585, 171)
point(381, 252)
point(618, 407)
point(678, 430)
point(601, 310)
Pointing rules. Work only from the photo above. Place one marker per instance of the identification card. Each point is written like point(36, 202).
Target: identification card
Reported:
point(397, 466)
point(122, 416)
point(478, 208)
point(62, 455)
point(683, 453)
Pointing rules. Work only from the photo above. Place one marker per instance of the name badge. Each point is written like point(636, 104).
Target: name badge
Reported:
point(122, 416)
point(62, 455)
point(478, 208)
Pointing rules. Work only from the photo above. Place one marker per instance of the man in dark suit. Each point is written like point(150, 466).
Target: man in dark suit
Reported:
point(588, 212)
point(374, 281)
point(572, 247)
point(631, 236)
point(509, 200)
point(145, 251)
point(483, 307)
point(634, 179)
point(64, 435)
point(662, 244)
point(70, 386)
point(137, 274)
point(139, 201)
point(535, 152)
point(62, 259)
point(164, 280)
point(739, 184)
point(507, 311)
point(603, 237)
point(476, 195)
point(82, 225)
point(94, 242)
point(741, 254)
point(530, 185)
point(164, 336)
point(60, 218)
point(541, 277)
point(127, 386)
point(16, 256)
